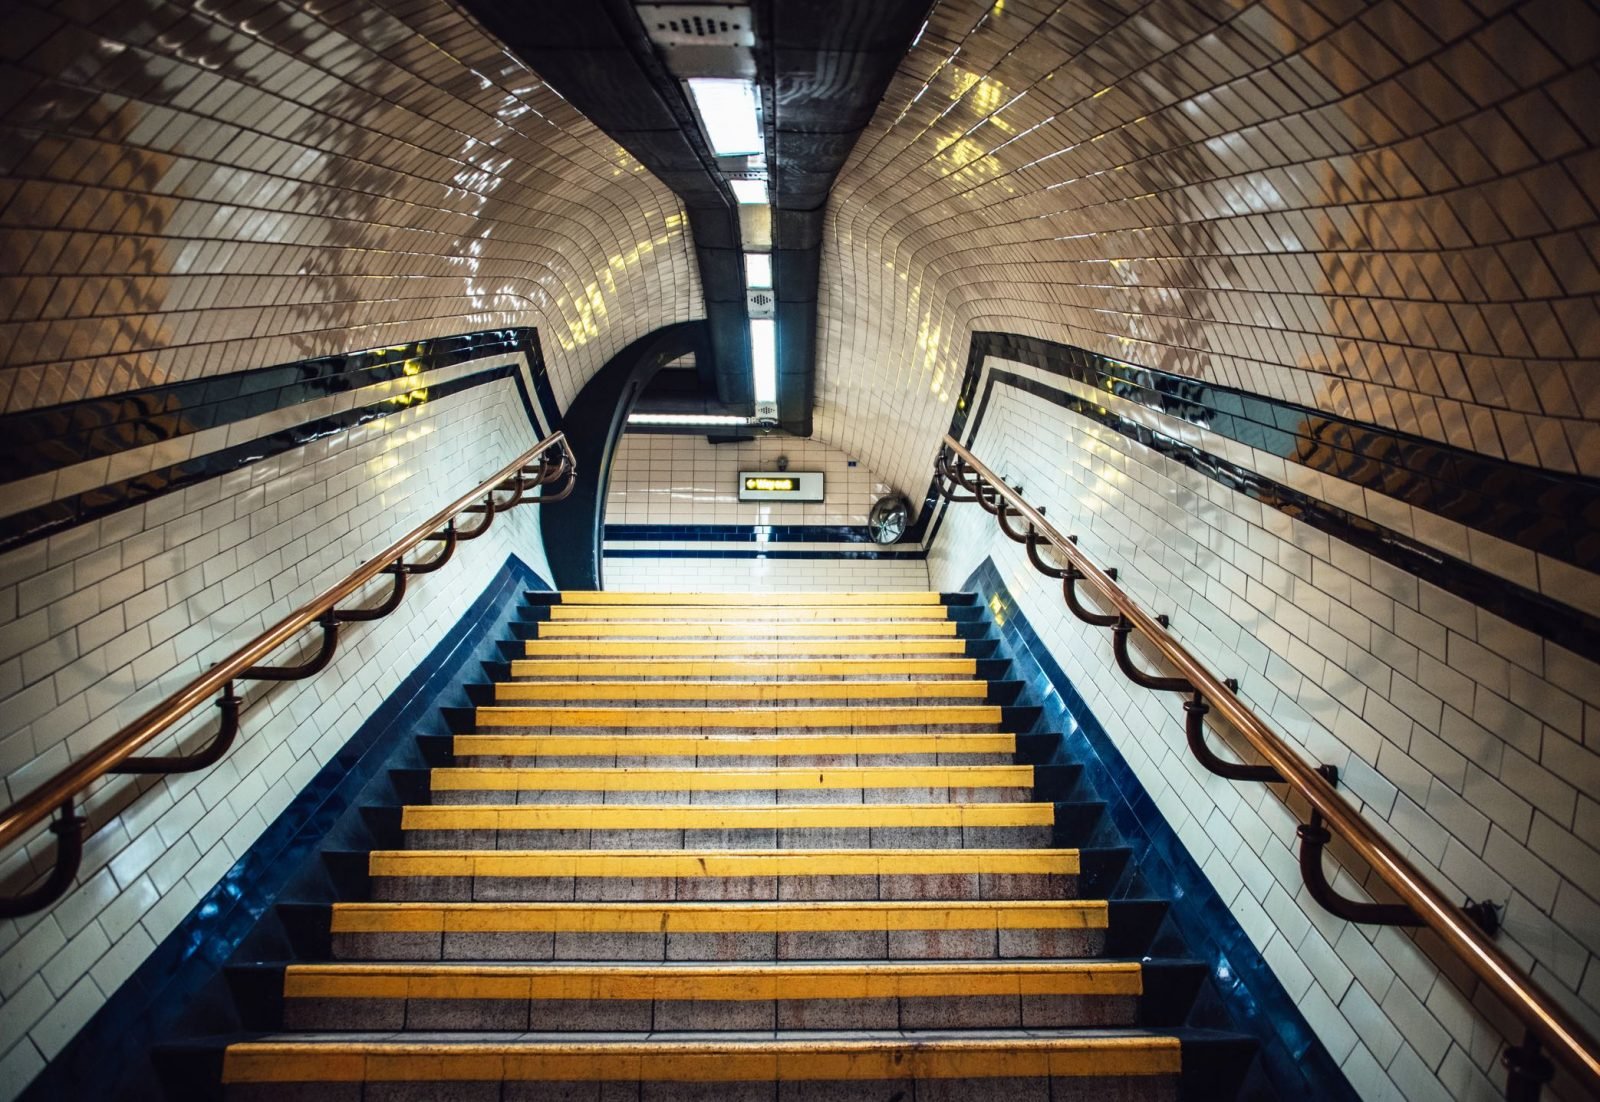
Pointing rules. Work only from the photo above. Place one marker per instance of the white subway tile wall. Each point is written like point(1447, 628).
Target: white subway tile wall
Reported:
point(1384, 210)
point(1470, 741)
point(757, 576)
point(660, 478)
point(99, 622)
point(193, 190)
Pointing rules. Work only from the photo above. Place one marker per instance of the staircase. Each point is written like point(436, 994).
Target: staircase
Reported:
point(714, 846)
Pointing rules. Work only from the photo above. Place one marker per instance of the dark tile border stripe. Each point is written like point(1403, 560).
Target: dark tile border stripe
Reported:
point(1528, 609)
point(1292, 1058)
point(20, 529)
point(40, 440)
point(1561, 623)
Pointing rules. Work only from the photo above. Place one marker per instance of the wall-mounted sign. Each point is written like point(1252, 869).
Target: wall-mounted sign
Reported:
point(780, 485)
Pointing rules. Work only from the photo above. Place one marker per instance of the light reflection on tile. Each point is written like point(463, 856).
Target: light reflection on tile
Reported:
point(1339, 211)
point(196, 191)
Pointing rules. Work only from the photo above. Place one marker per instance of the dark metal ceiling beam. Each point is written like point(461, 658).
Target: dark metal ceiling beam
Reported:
point(596, 54)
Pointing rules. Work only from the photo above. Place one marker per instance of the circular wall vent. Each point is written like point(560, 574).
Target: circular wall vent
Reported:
point(889, 518)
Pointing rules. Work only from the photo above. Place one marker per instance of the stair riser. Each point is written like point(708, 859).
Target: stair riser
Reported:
point(644, 1015)
point(823, 945)
point(536, 889)
point(746, 797)
point(1143, 1088)
point(955, 837)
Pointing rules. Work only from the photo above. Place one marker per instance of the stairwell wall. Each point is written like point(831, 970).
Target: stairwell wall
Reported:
point(109, 617)
point(195, 192)
point(1469, 741)
point(674, 521)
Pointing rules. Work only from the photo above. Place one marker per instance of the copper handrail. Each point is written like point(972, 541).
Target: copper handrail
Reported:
point(1565, 1039)
point(545, 463)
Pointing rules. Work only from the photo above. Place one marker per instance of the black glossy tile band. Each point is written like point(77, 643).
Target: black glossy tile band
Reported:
point(1550, 512)
point(37, 441)
point(29, 525)
point(1563, 624)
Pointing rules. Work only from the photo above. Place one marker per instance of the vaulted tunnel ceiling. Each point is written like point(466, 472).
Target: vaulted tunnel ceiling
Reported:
point(821, 69)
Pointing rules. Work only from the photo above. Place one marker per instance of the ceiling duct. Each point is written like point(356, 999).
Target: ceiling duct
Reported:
point(702, 40)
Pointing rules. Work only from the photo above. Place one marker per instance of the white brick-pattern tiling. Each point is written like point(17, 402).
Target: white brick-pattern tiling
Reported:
point(1468, 741)
point(1383, 211)
point(107, 618)
point(660, 478)
point(220, 194)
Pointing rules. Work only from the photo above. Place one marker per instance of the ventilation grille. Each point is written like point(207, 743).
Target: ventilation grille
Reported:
point(760, 304)
point(671, 25)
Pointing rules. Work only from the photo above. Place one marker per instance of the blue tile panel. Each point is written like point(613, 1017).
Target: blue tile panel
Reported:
point(1292, 1057)
point(111, 1056)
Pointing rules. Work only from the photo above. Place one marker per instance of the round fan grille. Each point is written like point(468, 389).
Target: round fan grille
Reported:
point(888, 520)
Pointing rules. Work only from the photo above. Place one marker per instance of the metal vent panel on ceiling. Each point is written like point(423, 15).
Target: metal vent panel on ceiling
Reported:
point(761, 303)
point(673, 25)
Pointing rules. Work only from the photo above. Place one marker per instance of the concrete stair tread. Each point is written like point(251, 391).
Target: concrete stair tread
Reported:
point(702, 1057)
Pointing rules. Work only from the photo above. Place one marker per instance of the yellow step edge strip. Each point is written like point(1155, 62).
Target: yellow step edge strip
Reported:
point(767, 717)
point(742, 612)
point(698, 863)
point(545, 779)
point(733, 983)
point(736, 690)
point(703, 1062)
point(714, 817)
point(773, 651)
point(771, 668)
point(718, 918)
point(760, 629)
point(745, 600)
point(729, 745)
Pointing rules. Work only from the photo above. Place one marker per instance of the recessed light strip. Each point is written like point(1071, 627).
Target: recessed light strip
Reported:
point(727, 110)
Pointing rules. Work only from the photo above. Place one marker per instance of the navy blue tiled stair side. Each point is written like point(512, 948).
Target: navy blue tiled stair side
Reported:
point(1162, 902)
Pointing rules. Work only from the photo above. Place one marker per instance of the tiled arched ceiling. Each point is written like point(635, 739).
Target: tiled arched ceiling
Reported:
point(1385, 211)
point(193, 189)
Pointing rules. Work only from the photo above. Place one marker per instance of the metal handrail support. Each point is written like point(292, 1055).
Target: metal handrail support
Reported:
point(60, 794)
point(1551, 1029)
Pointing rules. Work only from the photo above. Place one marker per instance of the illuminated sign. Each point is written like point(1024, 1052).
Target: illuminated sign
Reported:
point(780, 485)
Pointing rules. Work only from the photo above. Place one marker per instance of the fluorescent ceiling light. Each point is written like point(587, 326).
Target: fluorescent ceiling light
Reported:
point(686, 419)
point(752, 192)
point(758, 269)
point(728, 112)
point(764, 359)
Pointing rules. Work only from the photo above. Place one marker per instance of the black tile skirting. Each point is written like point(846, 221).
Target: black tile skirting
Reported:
point(1542, 615)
